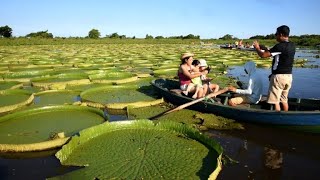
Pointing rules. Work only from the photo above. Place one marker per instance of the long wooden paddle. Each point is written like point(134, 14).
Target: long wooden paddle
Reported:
point(190, 103)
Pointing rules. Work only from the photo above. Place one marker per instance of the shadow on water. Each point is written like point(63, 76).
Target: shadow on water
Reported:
point(34, 165)
point(269, 153)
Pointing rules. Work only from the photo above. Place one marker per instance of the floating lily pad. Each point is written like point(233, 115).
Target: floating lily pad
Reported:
point(185, 116)
point(13, 99)
point(36, 125)
point(60, 80)
point(9, 85)
point(141, 150)
point(55, 97)
point(116, 77)
point(119, 97)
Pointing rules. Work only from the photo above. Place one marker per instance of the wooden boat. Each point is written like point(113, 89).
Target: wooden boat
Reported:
point(303, 115)
point(226, 47)
point(246, 49)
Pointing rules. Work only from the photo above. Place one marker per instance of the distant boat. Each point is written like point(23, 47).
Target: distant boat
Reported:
point(226, 47)
point(246, 49)
point(303, 115)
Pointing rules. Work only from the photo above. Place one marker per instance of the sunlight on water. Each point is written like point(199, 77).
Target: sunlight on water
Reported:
point(305, 80)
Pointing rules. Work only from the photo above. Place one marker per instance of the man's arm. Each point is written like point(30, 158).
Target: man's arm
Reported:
point(261, 53)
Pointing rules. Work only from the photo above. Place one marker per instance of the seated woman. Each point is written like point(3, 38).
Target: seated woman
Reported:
point(185, 74)
point(253, 93)
point(195, 82)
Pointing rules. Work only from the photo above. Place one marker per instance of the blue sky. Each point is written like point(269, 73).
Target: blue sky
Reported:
point(207, 18)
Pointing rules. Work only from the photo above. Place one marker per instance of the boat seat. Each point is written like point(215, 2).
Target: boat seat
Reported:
point(176, 91)
point(226, 97)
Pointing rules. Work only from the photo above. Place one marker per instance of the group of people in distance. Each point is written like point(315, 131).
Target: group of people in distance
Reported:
point(193, 75)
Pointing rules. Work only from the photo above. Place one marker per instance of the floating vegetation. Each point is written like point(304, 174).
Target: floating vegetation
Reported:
point(10, 85)
point(201, 121)
point(113, 77)
point(14, 99)
point(56, 97)
point(60, 81)
point(131, 150)
point(119, 97)
point(45, 127)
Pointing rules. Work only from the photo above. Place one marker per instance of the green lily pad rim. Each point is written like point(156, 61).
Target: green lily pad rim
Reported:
point(50, 109)
point(57, 91)
point(109, 87)
point(113, 73)
point(14, 91)
point(78, 76)
point(109, 127)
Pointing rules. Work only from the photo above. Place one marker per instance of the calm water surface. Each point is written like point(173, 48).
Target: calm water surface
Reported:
point(306, 81)
point(261, 152)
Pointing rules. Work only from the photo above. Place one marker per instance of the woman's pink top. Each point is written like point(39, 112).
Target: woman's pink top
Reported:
point(183, 79)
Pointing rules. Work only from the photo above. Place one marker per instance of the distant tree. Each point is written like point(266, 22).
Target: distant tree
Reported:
point(176, 37)
point(40, 34)
point(5, 31)
point(134, 37)
point(270, 36)
point(123, 37)
point(159, 37)
point(94, 34)
point(149, 36)
point(191, 36)
point(227, 37)
point(114, 35)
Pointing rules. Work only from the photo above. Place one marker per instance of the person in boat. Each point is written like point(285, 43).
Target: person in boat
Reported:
point(185, 74)
point(240, 45)
point(195, 82)
point(281, 71)
point(253, 93)
point(211, 87)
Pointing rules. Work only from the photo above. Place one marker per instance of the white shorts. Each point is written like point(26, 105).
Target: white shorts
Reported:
point(184, 87)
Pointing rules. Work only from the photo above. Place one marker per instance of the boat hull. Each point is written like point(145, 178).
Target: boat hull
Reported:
point(307, 121)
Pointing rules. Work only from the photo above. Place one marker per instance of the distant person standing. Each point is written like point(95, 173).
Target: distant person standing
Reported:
point(281, 77)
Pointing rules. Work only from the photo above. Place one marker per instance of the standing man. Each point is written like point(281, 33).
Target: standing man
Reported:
point(281, 77)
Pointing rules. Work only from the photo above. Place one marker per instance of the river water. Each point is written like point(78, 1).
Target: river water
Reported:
point(264, 152)
point(258, 152)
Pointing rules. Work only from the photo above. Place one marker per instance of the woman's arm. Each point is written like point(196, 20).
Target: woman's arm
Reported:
point(186, 72)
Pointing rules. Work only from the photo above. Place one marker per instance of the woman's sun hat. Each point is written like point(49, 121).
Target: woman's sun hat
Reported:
point(203, 63)
point(185, 55)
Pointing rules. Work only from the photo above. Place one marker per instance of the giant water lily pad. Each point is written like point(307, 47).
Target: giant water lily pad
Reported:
point(60, 80)
point(141, 150)
point(13, 99)
point(116, 77)
point(9, 85)
point(39, 124)
point(56, 97)
point(119, 97)
point(186, 116)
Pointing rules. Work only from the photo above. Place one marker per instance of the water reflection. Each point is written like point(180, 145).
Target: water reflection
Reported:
point(305, 80)
point(273, 158)
point(266, 152)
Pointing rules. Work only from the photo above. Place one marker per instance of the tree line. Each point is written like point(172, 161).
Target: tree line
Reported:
point(303, 40)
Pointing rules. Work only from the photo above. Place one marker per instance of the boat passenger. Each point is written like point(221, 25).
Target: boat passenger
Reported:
point(185, 75)
point(253, 93)
point(211, 87)
point(195, 82)
point(281, 71)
